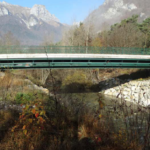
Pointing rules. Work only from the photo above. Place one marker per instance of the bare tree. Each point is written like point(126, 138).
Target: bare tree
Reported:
point(78, 35)
point(8, 39)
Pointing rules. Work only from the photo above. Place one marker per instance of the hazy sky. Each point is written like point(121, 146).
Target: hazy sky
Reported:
point(67, 11)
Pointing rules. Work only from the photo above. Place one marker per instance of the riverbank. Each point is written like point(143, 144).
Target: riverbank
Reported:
point(137, 91)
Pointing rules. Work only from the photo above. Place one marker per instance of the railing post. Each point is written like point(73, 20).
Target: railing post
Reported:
point(86, 49)
point(7, 50)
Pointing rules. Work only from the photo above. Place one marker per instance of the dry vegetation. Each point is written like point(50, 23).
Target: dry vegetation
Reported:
point(52, 123)
point(37, 129)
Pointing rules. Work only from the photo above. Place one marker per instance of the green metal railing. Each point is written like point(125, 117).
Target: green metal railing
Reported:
point(73, 49)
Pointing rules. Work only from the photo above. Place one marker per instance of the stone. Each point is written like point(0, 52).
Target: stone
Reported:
point(134, 83)
point(127, 99)
point(136, 91)
point(133, 88)
point(46, 91)
point(112, 90)
point(127, 89)
point(110, 93)
point(2, 75)
point(106, 92)
point(148, 95)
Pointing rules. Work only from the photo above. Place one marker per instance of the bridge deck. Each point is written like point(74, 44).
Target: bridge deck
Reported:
point(30, 57)
point(52, 60)
point(78, 56)
point(73, 49)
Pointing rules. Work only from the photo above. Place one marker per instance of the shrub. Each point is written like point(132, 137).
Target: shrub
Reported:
point(77, 80)
point(23, 98)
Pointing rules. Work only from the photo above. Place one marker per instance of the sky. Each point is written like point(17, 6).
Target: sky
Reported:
point(67, 11)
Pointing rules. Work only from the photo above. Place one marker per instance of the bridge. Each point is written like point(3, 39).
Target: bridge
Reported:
point(32, 57)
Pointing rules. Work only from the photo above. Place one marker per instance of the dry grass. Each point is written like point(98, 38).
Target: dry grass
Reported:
point(10, 81)
point(12, 84)
point(104, 138)
point(61, 130)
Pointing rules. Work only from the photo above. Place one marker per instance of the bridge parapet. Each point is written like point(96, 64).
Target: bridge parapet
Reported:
point(73, 49)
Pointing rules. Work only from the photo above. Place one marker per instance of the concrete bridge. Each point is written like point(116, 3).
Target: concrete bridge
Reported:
point(31, 57)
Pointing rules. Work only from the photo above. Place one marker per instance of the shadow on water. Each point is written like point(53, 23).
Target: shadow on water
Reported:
point(105, 84)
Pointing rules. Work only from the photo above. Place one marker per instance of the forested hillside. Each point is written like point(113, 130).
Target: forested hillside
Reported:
point(127, 33)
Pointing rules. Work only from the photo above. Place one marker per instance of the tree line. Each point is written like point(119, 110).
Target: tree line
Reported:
point(128, 33)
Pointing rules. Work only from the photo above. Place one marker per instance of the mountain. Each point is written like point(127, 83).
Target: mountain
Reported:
point(29, 25)
point(113, 11)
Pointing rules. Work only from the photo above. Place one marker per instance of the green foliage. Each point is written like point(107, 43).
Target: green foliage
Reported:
point(75, 77)
point(145, 28)
point(131, 20)
point(23, 98)
point(127, 33)
point(26, 98)
point(77, 80)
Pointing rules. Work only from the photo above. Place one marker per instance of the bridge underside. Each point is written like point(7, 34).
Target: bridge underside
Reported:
point(62, 63)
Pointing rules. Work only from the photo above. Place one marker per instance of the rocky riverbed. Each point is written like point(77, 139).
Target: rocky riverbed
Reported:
point(134, 91)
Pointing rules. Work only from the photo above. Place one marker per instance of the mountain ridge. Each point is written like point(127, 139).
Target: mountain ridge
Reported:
point(113, 11)
point(29, 25)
